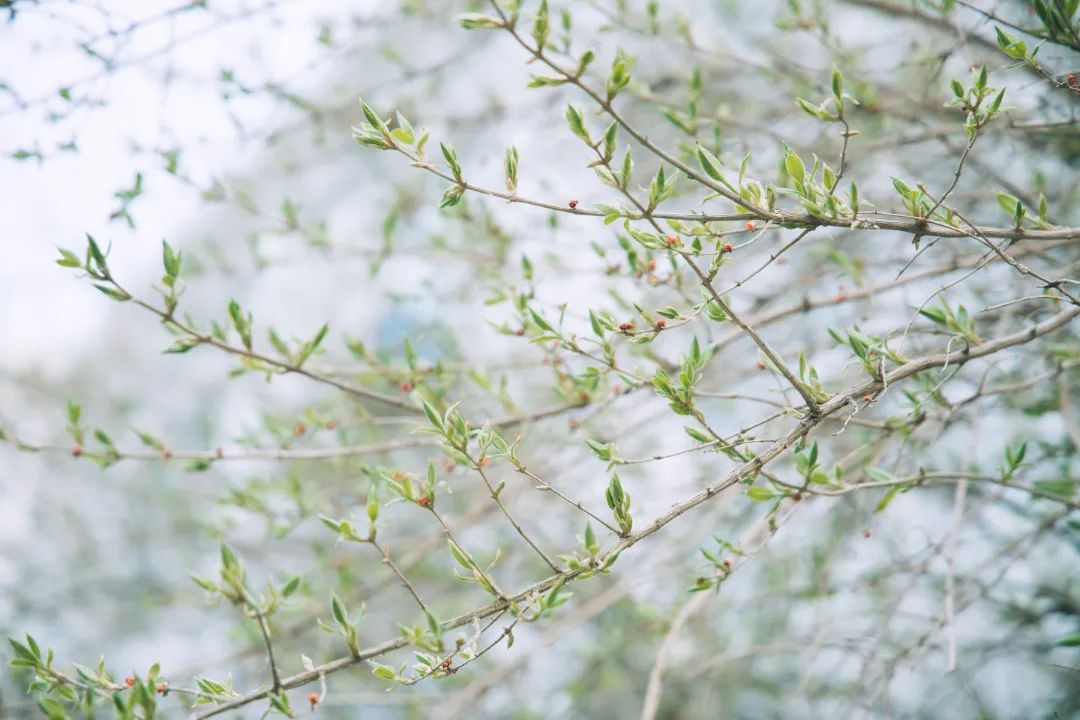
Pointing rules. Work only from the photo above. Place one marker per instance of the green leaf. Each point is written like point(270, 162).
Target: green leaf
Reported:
point(794, 166)
point(451, 159)
point(627, 170)
point(616, 489)
point(204, 583)
point(74, 412)
point(68, 259)
point(545, 81)
point(22, 650)
point(383, 672)
point(1065, 488)
point(474, 21)
point(697, 435)
point(52, 708)
point(229, 560)
point(583, 63)
point(610, 135)
point(291, 586)
point(760, 494)
point(459, 555)
point(337, 609)
point(540, 321)
point(371, 116)
point(619, 76)
point(810, 109)
point(1008, 203)
point(901, 187)
point(576, 122)
point(995, 105)
point(710, 164)
point(511, 169)
point(170, 259)
point(182, 345)
point(935, 315)
point(594, 322)
point(887, 498)
point(280, 702)
point(96, 255)
point(604, 451)
point(113, 293)
point(540, 25)
point(432, 623)
point(452, 196)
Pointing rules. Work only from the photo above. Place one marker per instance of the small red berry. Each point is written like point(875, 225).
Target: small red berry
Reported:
point(867, 398)
point(299, 429)
point(406, 386)
point(1072, 82)
point(760, 365)
point(425, 501)
point(728, 247)
point(728, 563)
point(129, 681)
point(661, 323)
point(652, 265)
point(572, 204)
point(750, 225)
point(161, 688)
point(626, 326)
point(313, 699)
point(671, 240)
point(77, 450)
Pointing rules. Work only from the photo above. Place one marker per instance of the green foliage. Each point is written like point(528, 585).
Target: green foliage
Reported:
point(668, 313)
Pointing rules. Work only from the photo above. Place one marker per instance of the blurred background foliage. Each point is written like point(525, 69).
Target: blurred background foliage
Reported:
point(225, 127)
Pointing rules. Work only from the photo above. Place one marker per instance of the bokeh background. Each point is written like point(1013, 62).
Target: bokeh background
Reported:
point(236, 116)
